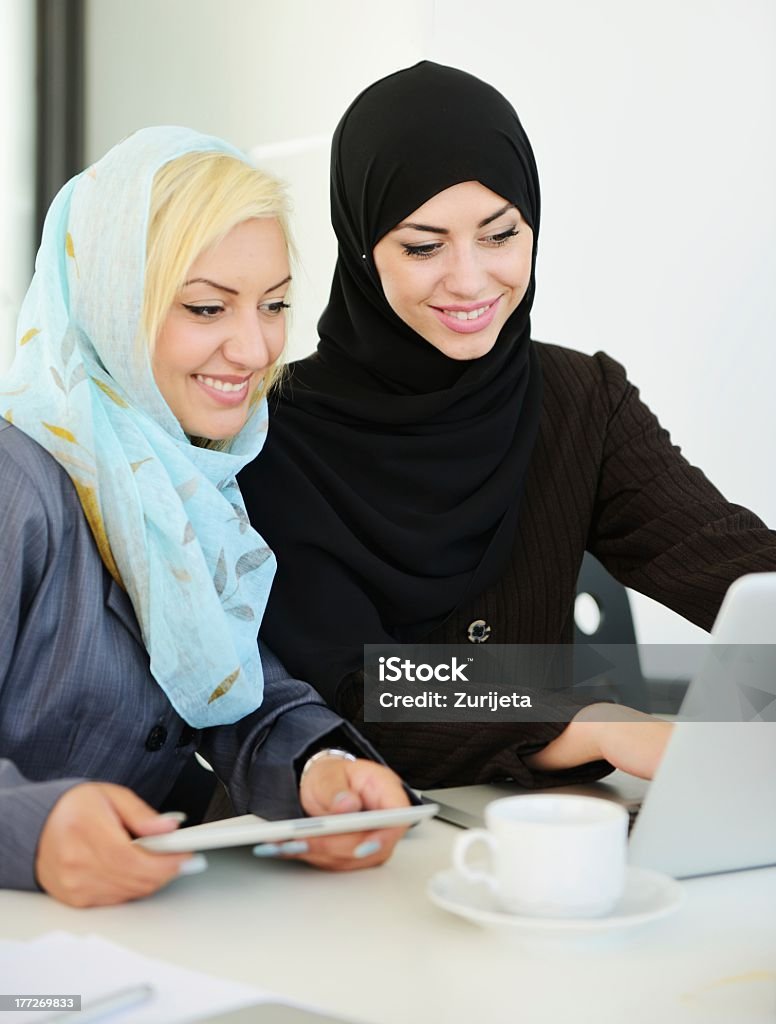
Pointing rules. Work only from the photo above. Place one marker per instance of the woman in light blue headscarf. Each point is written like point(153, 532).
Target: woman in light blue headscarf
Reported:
point(134, 584)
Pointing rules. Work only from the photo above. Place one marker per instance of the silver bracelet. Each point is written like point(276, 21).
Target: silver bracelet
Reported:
point(343, 755)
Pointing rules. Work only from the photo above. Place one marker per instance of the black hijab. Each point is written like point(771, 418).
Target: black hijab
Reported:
point(390, 483)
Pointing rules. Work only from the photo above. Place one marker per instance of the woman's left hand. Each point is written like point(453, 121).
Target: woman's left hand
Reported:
point(334, 786)
point(628, 739)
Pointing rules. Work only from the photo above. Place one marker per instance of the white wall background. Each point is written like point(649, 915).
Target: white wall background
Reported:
point(655, 133)
point(17, 163)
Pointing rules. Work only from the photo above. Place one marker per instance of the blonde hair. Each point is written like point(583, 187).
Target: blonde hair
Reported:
point(196, 200)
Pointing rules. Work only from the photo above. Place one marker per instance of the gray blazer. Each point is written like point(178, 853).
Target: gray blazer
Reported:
point(77, 699)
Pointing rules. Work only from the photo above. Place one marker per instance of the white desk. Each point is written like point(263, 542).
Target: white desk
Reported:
point(370, 945)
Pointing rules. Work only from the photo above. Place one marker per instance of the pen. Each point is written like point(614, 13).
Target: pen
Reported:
point(106, 1006)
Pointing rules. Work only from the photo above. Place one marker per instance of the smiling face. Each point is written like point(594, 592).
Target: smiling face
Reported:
point(457, 267)
point(224, 330)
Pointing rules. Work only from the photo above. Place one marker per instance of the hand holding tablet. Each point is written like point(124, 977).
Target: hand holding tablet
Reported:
point(249, 829)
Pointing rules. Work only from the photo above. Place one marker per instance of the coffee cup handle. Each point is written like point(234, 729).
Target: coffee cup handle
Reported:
point(461, 849)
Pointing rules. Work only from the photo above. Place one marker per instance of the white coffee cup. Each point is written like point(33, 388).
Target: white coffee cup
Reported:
point(553, 855)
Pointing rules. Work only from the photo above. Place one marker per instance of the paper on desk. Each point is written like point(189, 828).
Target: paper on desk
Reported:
point(62, 964)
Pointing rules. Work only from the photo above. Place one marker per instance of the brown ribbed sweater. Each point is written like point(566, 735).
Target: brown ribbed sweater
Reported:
point(605, 477)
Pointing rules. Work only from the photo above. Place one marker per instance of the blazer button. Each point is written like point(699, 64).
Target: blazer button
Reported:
point(156, 738)
point(478, 631)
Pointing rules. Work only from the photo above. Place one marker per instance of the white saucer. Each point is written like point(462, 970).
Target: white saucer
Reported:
point(648, 895)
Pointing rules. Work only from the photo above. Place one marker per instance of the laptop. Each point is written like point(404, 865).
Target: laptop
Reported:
point(711, 806)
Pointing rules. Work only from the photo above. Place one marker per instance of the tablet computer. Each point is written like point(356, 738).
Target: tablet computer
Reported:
point(249, 829)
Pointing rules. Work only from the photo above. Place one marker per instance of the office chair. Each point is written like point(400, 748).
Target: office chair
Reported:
point(609, 673)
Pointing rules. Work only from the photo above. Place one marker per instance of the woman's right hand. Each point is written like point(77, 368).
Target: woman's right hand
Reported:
point(86, 857)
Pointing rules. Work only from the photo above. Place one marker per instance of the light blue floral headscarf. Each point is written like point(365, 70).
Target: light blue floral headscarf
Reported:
point(167, 517)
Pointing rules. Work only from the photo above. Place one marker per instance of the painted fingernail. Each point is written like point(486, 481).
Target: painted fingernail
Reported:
point(276, 849)
point(266, 850)
point(367, 849)
point(196, 864)
point(294, 846)
point(179, 816)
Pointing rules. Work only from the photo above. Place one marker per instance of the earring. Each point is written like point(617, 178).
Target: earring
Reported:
point(363, 255)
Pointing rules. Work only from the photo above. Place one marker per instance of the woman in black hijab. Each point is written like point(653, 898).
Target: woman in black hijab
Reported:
point(436, 474)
